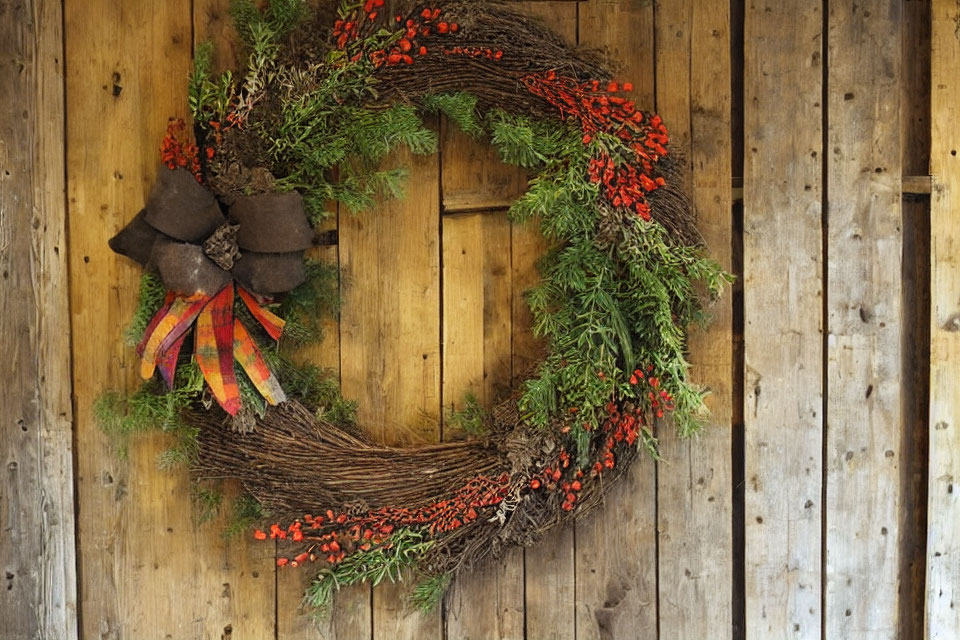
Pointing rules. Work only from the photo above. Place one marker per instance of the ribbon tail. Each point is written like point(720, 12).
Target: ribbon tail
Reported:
point(179, 317)
point(246, 352)
point(167, 362)
point(214, 350)
point(271, 322)
point(155, 320)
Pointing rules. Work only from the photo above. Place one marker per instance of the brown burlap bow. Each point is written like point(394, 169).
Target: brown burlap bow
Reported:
point(183, 234)
point(200, 254)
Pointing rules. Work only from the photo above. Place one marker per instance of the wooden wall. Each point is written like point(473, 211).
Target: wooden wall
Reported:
point(821, 143)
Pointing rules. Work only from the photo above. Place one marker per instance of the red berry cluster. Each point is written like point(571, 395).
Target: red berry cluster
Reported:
point(599, 110)
point(659, 399)
point(177, 151)
point(352, 533)
point(422, 24)
point(348, 29)
point(625, 186)
point(551, 479)
point(474, 52)
point(333, 546)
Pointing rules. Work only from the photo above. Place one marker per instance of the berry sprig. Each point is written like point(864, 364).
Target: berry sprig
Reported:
point(551, 479)
point(177, 151)
point(334, 536)
point(599, 110)
point(417, 25)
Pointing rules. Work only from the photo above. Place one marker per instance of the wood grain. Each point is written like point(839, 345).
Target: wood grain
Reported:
point(783, 318)
point(616, 546)
point(146, 569)
point(390, 339)
point(694, 486)
point(864, 245)
point(943, 507)
point(37, 552)
point(485, 602)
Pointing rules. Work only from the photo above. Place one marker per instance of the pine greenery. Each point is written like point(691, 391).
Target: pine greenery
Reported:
point(428, 592)
point(471, 419)
point(245, 513)
point(401, 551)
point(149, 301)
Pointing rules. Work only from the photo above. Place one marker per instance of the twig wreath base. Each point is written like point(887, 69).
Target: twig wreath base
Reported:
point(321, 102)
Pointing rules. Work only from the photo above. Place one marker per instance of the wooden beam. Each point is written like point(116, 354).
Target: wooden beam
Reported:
point(37, 552)
point(783, 319)
point(943, 506)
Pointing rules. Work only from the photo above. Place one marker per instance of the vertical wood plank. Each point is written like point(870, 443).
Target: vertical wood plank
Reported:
point(616, 560)
point(485, 602)
point(694, 487)
point(864, 243)
point(943, 519)
point(37, 552)
point(783, 318)
point(549, 566)
point(146, 570)
point(390, 340)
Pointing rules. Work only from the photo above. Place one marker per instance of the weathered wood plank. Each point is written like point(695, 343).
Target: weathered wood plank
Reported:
point(37, 552)
point(146, 570)
point(864, 244)
point(548, 567)
point(943, 519)
point(616, 561)
point(694, 487)
point(390, 340)
point(485, 602)
point(783, 318)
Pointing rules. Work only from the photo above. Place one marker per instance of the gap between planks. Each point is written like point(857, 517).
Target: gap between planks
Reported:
point(910, 185)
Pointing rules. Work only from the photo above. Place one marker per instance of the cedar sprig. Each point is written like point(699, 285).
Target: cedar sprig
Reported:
point(427, 593)
point(149, 300)
point(402, 550)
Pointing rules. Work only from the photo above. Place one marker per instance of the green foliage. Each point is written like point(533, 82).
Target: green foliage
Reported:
point(472, 419)
point(428, 592)
point(315, 135)
point(149, 301)
point(402, 550)
point(208, 99)
point(306, 307)
point(316, 388)
point(528, 142)
point(151, 407)
point(245, 513)
point(460, 107)
point(604, 307)
point(207, 501)
point(276, 19)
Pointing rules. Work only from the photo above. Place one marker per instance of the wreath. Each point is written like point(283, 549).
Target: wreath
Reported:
point(322, 101)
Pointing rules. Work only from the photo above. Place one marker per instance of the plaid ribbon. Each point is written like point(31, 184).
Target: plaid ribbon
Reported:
point(213, 349)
